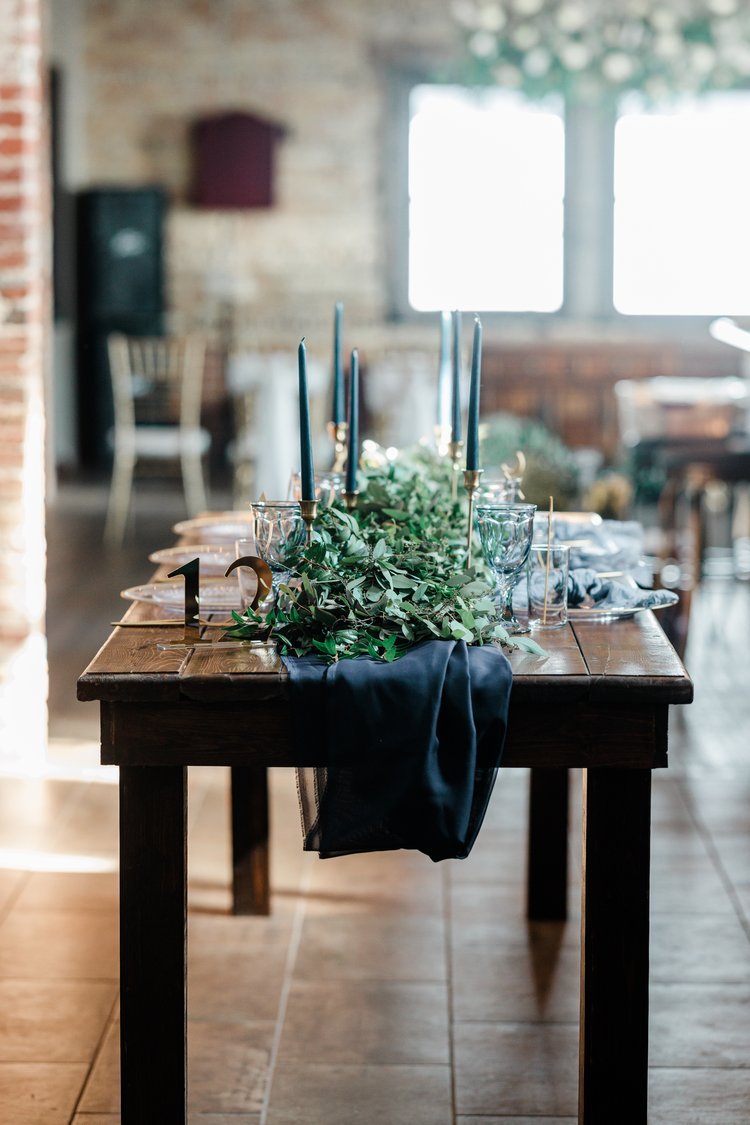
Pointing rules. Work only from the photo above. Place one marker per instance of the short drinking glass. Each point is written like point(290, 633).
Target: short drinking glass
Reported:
point(548, 585)
point(280, 534)
point(505, 532)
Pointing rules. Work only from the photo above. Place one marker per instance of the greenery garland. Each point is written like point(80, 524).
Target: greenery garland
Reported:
point(380, 580)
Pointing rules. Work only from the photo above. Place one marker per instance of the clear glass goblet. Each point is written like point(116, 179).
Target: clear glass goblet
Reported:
point(505, 532)
point(328, 487)
point(280, 535)
point(503, 490)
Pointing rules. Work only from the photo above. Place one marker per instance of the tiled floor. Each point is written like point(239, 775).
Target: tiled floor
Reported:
point(384, 989)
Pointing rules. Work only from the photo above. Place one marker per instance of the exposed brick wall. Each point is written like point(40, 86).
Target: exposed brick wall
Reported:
point(24, 256)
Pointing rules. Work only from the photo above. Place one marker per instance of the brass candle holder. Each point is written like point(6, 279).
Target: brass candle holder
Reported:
point(455, 449)
point(309, 511)
point(351, 499)
point(471, 484)
point(337, 432)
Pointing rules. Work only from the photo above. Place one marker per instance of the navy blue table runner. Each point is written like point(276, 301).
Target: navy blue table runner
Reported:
point(401, 742)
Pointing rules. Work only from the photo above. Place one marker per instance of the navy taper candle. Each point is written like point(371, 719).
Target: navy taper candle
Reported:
point(352, 461)
point(305, 444)
point(456, 403)
point(337, 413)
point(472, 426)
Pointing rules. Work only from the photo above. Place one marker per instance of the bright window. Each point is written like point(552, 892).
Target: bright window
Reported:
point(682, 209)
point(486, 187)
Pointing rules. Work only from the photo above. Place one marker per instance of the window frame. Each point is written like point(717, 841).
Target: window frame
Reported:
point(588, 233)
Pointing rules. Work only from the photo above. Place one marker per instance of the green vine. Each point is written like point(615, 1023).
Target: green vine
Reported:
point(382, 579)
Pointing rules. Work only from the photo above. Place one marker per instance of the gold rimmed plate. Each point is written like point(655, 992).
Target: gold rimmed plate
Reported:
point(214, 557)
point(217, 595)
point(218, 527)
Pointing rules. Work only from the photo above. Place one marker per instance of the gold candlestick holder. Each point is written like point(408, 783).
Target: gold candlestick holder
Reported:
point(351, 499)
point(471, 484)
point(337, 432)
point(455, 449)
point(309, 510)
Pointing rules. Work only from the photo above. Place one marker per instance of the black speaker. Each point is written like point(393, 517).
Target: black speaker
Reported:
point(120, 288)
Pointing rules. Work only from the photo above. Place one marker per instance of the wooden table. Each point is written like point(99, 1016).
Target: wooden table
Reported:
point(599, 701)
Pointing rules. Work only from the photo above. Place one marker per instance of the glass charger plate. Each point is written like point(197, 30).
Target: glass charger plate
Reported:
point(222, 527)
point(214, 557)
point(610, 612)
point(216, 596)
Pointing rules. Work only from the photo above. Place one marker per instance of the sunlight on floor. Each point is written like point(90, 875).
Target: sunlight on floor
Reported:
point(23, 859)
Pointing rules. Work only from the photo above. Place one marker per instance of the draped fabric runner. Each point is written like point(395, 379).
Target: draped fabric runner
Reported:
point(402, 743)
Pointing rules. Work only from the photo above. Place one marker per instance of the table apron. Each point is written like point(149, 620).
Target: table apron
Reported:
point(191, 733)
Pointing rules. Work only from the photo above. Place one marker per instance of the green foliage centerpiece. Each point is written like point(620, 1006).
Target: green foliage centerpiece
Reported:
point(378, 580)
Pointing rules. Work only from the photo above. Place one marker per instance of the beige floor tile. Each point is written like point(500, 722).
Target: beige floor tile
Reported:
point(501, 982)
point(102, 1091)
point(223, 1119)
point(698, 1096)
point(498, 857)
point(46, 890)
point(516, 1069)
point(516, 1120)
point(91, 826)
point(721, 803)
point(688, 887)
point(734, 855)
point(372, 883)
point(711, 948)
point(52, 1021)
point(699, 1025)
point(10, 883)
point(228, 1066)
point(96, 1119)
point(193, 1119)
point(39, 1093)
point(503, 904)
point(58, 943)
point(367, 1095)
point(245, 986)
point(31, 808)
point(368, 947)
point(238, 934)
point(362, 1023)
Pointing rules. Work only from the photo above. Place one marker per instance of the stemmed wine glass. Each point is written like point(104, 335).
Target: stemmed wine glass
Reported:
point(505, 532)
point(280, 533)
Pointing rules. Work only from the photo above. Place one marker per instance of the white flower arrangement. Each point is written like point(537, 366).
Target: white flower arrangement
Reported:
point(595, 48)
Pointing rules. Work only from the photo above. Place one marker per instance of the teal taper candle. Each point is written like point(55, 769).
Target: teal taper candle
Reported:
point(444, 370)
point(472, 435)
point(456, 404)
point(352, 461)
point(305, 443)
point(337, 414)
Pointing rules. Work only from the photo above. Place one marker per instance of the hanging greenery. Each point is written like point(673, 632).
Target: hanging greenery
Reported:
point(593, 49)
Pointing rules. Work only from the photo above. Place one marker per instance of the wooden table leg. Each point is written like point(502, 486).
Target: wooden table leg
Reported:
point(251, 893)
point(153, 944)
point(613, 1058)
point(547, 871)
